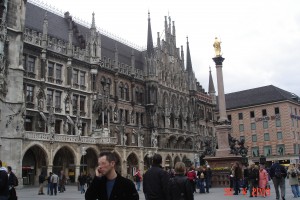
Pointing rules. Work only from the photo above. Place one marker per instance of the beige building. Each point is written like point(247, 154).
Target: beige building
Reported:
point(69, 91)
point(268, 118)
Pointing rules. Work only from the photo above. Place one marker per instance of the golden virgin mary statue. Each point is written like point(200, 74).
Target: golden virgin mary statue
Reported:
point(217, 46)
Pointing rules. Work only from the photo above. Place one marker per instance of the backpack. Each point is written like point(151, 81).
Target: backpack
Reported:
point(278, 173)
point(176, 184)
point(16, 181)
point(293, 174)
point(202, 175)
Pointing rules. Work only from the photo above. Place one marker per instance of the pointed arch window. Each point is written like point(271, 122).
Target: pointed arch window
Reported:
point(126, 91)
point(108, 82)
point(137, 93)
point(121, 90)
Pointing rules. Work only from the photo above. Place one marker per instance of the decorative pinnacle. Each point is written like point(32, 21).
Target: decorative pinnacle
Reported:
point(93, 21)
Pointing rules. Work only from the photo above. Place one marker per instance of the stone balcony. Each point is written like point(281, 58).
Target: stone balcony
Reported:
point(40, 136)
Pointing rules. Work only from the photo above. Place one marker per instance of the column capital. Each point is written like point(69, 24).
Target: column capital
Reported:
point(218, 60)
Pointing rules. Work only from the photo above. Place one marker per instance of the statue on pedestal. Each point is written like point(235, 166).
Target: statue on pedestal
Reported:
point(154, 135)
point(217, 46)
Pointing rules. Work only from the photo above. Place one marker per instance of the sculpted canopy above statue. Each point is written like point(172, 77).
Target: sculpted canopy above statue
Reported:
point(217, 46)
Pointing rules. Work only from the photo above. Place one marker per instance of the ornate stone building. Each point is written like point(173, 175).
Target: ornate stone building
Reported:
point(69, 92)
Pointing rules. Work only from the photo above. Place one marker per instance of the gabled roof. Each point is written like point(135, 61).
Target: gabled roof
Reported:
point(257, 96)
point(58, 27)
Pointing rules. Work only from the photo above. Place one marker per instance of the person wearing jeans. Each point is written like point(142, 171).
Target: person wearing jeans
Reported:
point(278, 181)
point(293, 180)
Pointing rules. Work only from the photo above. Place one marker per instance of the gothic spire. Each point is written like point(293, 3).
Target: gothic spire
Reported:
point(188, 57)
point(93, 22)
point(150, 49)
point(211, 87)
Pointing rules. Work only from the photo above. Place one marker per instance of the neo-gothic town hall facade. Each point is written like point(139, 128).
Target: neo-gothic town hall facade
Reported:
point(69, 92)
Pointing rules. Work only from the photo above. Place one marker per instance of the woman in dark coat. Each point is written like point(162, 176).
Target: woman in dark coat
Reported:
point(180, 187)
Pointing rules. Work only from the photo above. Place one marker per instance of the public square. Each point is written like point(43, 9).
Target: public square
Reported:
point(30, 193)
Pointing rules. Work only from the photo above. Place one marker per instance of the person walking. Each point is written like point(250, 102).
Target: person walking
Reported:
point(238, 175)
point(108, 184)
point(192, 176)
point(54, 182)
point(41, 183)
point(82, 182)
point(138, 179)
point(12, 183)
point(179, 186)
point(155, 183)
point(49, 186)
point(278, 175)
point(4, 189)
point(263, 180)
point(62, 181)
point(292, 174)
point(253, 179)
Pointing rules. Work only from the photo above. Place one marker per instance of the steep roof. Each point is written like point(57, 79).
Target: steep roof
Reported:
point(257, 96)
point(58, 27)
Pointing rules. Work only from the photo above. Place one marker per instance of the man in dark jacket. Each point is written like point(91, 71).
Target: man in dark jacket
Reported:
point(41, 183)
point(3, 182)
point(278, 181)
point(155, 184)
point(110, 185)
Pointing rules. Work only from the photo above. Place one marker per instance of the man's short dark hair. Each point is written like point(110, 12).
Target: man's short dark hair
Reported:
point(0, 163)
point(109, 156)
point(157, 159)
point(9, 168)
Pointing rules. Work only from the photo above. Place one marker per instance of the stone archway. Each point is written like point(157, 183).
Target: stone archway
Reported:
point(147, 162)
point(64, 159)
point(35, 161)
point(168, 162)
point(118, 165)
point(176, 160)
point(89, 162)
point(132, 164)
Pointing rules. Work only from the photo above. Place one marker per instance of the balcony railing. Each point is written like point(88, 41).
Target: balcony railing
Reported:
point(29, 135)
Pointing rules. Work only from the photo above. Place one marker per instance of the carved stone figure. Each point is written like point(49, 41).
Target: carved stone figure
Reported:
point(154, 138)
point(41, 104)
point(67, 106)
point(217, 46)
point(66, 127)
point(125, 139)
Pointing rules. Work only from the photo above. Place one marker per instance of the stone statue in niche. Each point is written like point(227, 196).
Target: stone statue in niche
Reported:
point(125, 139)
point(66, 127)
point(67, 108)
point(41, 104)
point(154, 138)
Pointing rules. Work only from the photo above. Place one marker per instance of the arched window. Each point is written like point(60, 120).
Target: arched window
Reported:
point(108, 82)
point(121, 90)
point(126, 91)
point(137, 95)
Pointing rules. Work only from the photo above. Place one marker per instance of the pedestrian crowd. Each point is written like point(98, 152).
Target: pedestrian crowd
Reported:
point(255, 179)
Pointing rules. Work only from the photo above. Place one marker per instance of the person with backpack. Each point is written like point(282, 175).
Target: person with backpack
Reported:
point(4, 190)
point(138, 179)
point(292, 174)
point(41, 183)
point(201, 180)
point(12, 183)
point(192, 176)
point(179, 187)
point(253, 179)
point(278, 174)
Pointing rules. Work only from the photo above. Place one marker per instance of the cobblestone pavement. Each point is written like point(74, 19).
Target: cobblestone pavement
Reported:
point(30, 193)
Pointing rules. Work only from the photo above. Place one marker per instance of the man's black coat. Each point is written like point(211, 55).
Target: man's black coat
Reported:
point(122, 189)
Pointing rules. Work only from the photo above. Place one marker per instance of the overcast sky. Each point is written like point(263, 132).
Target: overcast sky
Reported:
point(260, 38)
